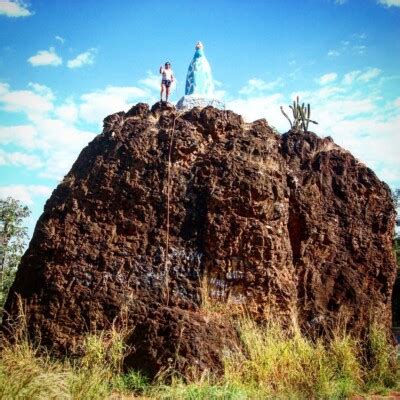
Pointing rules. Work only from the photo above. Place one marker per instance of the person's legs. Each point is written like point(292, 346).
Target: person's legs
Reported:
point(162, 91)
point(167, 88)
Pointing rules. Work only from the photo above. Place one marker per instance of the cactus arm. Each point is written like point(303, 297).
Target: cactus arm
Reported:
point(290, 122)
point(304, 120)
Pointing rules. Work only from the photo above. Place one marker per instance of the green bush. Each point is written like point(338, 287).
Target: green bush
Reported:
point(131, 382)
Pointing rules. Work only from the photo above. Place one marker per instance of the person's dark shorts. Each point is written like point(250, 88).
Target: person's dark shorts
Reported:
point(166, 82)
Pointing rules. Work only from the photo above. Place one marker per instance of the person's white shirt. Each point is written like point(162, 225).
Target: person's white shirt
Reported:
point(167, 74)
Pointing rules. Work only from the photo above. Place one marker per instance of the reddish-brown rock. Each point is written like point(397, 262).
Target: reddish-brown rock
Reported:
point(290, 226)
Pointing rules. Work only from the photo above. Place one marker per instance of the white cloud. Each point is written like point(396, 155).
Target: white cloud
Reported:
point(67, 112)
point(360, 49)
point(29, 161)
point(45, 57)
point(96, 105)
point(360, 124)
point(345, 107)
point(369, 74)
point(390, 3)
point(58, 142)
point(46, 135)
point(25, 193)
point(366, 76)
point(372, 140)
point(329, 91)
point(59, 162)
point(14, 8)
point(25, 100)
point(219, 94)
point(255, 85)
point(333, 53)
point(42, 90)
point(21, 135)
point(327, 78)
point(53, 134)
point(152, 81)
point(350, 77)
point(31, 102)
point(257, 107)
point(4, 88)
point(360, 36)
point(86, 58)
point(350, 47)
point(60, 39)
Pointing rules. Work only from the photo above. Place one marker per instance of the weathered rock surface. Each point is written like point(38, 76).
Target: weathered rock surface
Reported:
point(290, 226)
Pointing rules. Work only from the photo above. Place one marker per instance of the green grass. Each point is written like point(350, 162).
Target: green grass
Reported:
point(288, 365)
point(273, 364)
point(381, 371)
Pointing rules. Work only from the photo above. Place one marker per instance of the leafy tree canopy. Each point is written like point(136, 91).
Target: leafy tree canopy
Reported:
point(13, 238)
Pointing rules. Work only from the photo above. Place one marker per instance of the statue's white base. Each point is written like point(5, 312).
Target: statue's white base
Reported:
point(190, 101)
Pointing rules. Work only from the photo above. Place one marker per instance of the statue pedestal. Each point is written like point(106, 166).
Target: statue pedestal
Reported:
point(188, 102)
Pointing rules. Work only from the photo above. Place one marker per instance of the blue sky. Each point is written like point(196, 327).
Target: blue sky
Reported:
point(65, 65)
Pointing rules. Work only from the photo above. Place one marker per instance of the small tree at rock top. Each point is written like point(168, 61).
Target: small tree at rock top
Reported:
point(301, 115)
point(13, 236)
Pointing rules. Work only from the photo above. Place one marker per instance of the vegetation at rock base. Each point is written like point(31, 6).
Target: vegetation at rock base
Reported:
point(13, 237)
point(273, 364)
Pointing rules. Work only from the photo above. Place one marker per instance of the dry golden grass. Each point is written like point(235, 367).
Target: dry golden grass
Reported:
point(274, 363)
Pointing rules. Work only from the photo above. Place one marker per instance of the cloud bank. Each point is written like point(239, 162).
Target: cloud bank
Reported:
point(14, 9)
point(45, 57)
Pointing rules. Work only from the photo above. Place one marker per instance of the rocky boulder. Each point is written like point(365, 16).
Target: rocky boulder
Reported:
point(165, 210)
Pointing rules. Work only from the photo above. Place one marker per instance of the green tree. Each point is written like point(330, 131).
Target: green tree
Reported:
point(396, 288)
point(396, 198)
point(13, 237)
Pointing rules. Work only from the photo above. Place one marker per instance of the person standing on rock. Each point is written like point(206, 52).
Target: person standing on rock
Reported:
point(167, 79)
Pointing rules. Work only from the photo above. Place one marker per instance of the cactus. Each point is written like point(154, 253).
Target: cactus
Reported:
point(301, 115)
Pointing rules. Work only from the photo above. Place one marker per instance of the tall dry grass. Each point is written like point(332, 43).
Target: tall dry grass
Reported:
point(277, 364)
point(274, 363)
point(289, 365)
point(28, 372)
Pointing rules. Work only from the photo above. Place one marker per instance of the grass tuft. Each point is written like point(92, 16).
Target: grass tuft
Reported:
point(381, 365)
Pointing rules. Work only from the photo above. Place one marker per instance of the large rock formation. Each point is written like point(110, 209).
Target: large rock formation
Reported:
point(165, 210)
